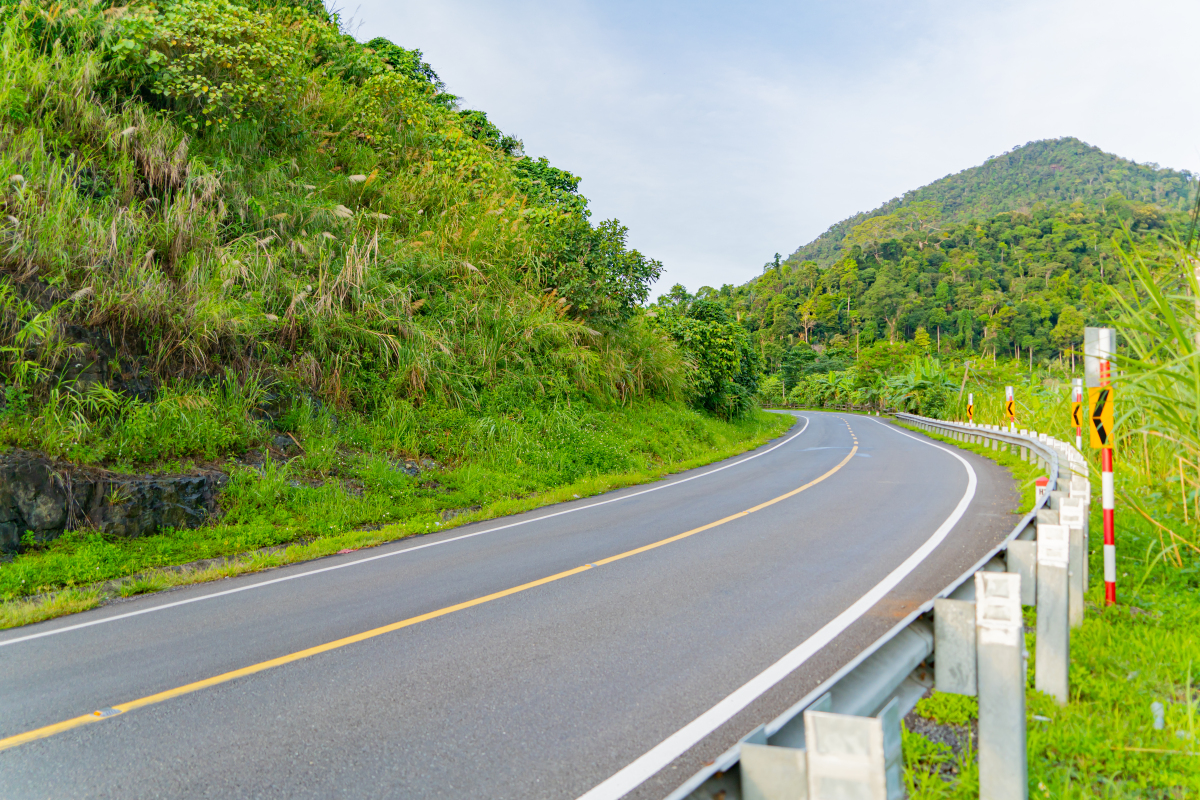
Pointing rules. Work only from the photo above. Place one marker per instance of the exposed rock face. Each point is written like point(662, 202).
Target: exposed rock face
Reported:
point(48, 497)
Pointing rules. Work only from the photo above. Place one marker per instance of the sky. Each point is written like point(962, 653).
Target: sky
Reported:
point(723, 133)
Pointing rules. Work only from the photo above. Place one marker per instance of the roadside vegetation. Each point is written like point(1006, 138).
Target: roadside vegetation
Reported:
point(233, 238)
point(272, 519)
point(1130, 730)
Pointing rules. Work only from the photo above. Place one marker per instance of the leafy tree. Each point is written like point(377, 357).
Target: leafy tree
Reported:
point(408, 62)
point(213, 61)
point(886, 297)
point(550, 187)
point(601, 278)
point(481, 129)
point(1068, 332)
point(726, 363)
point(797, 362)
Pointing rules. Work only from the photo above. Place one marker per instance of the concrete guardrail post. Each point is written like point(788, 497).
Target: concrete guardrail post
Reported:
point(954, 646)
point(851, 756)
point(1081, 488)
point(1053, 628)
point(1071, 513)
point(773, 773)
point(1000, 660)
point(1022, 560)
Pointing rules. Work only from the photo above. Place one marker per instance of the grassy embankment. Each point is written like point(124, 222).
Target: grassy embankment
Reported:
point(1146, 649)
point(234, 237)
point(272, 519)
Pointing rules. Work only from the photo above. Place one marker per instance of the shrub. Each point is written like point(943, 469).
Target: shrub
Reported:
point(214, 61)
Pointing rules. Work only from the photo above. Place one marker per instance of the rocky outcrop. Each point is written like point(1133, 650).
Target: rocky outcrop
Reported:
point(46, 497)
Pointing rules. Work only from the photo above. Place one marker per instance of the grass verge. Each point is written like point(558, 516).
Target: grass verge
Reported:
point(275, 520)
point(1130, 728)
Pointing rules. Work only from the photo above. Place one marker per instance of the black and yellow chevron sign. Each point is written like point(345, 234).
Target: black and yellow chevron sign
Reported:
point(970, 412)
point(1100, 403)
point(1010, 408)
point(1077, 414)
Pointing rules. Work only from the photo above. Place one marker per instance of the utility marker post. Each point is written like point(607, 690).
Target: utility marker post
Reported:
point(1077, 411)
point(1099, 347)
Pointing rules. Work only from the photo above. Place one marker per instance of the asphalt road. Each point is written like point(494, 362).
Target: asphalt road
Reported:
point(544, 692)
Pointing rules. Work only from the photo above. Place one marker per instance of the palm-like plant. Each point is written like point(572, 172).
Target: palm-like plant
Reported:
point(925, 388)
point(1159, 361)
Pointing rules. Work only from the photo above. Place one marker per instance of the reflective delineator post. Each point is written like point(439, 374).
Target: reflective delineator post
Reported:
point(1077, 411)
point(1099, 347)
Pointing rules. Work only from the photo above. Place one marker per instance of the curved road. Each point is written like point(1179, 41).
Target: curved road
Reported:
point(605, 646)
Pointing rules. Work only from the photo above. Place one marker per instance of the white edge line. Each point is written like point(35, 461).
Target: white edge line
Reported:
point(689, 735)
point(401, 551)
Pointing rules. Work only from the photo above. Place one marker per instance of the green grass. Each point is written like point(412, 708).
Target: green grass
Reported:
point(272, 509)
point(1124, 658)
point(948, 709)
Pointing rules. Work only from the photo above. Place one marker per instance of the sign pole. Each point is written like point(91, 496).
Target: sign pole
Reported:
point(1010, 408)
point(1077, 411)
point(1099, 347)
point(971, 408)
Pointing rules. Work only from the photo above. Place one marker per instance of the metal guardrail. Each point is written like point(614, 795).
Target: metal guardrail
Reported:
point(890, 668)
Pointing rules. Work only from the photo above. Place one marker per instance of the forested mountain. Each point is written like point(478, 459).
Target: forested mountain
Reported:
point(1048, 171)
point(1017, 283)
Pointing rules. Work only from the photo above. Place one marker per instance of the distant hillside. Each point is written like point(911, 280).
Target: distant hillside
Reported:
point(1019, 283)
point(1051, 170)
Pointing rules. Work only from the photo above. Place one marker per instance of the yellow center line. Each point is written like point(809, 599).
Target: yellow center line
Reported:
point(225, 677)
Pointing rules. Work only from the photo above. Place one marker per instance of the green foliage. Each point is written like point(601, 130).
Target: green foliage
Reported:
point(480, 128)
point(1011, 258)
point(550, 187)
point(494, 464)
point(216, 185)
point(604, 280)
point(1052, 171)
point(925, 388)
point(949, 709)
point(1160, 338)
point(409, 63)
point(726, 364)
point(99, 424)
point(1017, 284)
point(214, 61)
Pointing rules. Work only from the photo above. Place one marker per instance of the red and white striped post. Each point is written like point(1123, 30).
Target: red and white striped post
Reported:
point(1099, 347)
